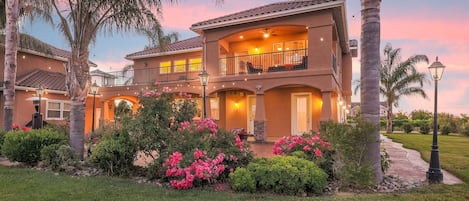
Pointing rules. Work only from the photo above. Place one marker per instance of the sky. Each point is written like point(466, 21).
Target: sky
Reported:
point(430, 27)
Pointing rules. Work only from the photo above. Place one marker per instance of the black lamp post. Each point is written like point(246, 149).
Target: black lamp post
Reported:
point(37, 117)
point(434, 174)
point(94, 90)
point(203, 76)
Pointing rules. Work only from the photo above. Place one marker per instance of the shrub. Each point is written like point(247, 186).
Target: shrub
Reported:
point(424, 128)
point(287, 174)
point(115, 154)
point(242, 180)
point(200, 154)
point(465, 130)
point(2, 137)
point(26, 146)
point(58, 157)
point(445, 130)
point(349, 143)
point(408, 127)
point(313, 145)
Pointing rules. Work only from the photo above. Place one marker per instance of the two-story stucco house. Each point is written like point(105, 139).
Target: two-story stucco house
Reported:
point(275, 70)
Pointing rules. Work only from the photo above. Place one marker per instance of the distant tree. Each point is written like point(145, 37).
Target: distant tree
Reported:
point(399, 79)
point(156, 36)
point(401, 116)
point(421, 115)
point(123, 110)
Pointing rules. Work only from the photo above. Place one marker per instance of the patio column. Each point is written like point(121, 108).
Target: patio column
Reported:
point(326, 113)
point(320, 42)
point(259, 120)
point(211, 54)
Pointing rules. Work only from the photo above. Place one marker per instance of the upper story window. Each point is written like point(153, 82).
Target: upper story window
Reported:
point(165, 67)
point(57, 110)
point(180, 66)
point(195, 64)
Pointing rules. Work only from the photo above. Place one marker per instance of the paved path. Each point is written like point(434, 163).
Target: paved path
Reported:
point(408, 165)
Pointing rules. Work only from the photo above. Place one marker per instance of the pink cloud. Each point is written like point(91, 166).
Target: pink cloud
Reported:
point(110, 65)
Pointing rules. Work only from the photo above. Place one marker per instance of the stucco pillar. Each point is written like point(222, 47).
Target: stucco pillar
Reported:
point(211, 54)
point(259, 120)
point(326, 113)
point(320, 45)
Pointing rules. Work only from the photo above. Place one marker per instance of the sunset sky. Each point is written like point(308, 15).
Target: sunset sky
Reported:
point(430, 27)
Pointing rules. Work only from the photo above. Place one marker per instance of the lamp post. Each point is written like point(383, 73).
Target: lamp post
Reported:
point(37, 117)
point(434, 174)
point(203, 76)
point(94, 90)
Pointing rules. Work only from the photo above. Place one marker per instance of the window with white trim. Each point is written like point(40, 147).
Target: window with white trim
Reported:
point(57, 110)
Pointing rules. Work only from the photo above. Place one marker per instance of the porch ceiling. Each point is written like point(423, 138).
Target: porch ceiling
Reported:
point(258, 33)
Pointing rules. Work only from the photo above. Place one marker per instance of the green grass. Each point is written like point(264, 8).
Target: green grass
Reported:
point(27, 184)
point(454, 151)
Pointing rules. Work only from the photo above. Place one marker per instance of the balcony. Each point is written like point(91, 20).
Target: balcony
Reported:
point(272, 62)
point(264, 62)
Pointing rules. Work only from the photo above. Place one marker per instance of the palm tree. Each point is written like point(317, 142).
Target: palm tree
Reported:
point(11, 50)
point(80, 22)
point(400, 79)
point(156, 37)
point(369, 78)
point(10, 12)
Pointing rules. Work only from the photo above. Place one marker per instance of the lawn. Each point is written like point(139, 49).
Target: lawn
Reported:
point(28, 184)
point(454, 151)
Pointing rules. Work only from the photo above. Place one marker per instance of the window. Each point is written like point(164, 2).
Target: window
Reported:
point(195, 64)
point(165, 67)
point(215, 108)
point(180, 66)
point(57, 110)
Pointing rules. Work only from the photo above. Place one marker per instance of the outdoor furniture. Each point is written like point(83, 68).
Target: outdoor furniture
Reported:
point(277, 69)
point(251, 68)
point(303, 65)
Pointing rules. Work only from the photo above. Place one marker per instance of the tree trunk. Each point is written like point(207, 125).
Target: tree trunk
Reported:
point(389, 119)
point(370, 76)
point(9, 74)
point(78, 82)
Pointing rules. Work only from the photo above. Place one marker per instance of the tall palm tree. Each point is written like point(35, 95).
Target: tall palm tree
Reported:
point(80, 22)
point(11, 50)
point(369, 78)
point(400, 79)
point(10, 12)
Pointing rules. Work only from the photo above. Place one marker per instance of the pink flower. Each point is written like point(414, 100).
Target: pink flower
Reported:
point(307, 148)
point(26, 129)
point(15, 126)
point(317, 152)
point(198, 154)
point(157, 83)
point(165, 89)
point(278, 151)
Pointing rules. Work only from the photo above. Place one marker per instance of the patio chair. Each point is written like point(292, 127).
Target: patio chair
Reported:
point(251, 68)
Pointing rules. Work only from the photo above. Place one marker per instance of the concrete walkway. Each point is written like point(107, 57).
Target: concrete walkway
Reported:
point(408, 165)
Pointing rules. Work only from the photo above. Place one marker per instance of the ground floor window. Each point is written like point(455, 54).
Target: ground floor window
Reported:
point(57, 110)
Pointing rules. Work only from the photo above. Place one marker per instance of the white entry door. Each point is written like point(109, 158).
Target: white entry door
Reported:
point(301, 113)
point(251, 113)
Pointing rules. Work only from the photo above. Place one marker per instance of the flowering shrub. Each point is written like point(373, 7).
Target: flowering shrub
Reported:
point(201, 154)
point(314, 146)
point(190, 153)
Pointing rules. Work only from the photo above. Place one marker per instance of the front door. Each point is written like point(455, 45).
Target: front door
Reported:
point(251, 113)
point(301, 113)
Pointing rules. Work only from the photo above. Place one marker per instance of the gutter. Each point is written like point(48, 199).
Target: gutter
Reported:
point(196, 49)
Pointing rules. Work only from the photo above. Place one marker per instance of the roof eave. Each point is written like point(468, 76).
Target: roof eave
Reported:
point(164, 53)
point(322, 6)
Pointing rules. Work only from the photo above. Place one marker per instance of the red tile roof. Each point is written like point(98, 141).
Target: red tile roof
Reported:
point(258, 12)
point(46, 79)
point(195, 42)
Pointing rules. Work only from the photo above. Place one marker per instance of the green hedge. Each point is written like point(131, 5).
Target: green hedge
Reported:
point(2, 137)
point(281, 174)
point(26, 146)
